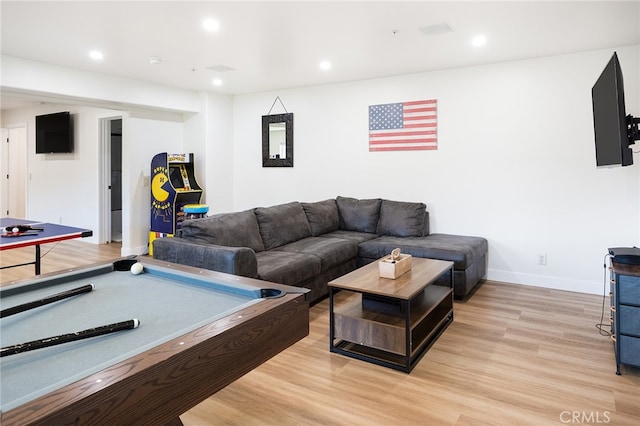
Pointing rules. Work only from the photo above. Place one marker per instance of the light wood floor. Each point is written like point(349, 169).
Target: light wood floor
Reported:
point(55, 256)
point(514, 355)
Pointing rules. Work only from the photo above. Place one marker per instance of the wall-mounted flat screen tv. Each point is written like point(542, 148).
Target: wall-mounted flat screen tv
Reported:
point(54, 133)
point(610, 122)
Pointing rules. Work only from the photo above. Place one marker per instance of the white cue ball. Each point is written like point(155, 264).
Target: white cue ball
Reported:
point(137, 268)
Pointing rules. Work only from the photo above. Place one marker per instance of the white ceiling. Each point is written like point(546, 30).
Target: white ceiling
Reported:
point(276, 45)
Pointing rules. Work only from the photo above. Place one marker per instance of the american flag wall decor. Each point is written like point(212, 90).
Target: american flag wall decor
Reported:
point(404, 126)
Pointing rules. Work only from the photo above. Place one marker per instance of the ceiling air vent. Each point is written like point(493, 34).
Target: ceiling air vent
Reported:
point(220, 68)
point(436, 29)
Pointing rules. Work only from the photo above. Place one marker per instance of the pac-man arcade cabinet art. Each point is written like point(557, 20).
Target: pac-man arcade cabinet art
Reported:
point(173, 184)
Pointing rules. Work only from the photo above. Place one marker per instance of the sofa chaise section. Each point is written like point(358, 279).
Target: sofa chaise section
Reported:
point(468, 255)
point(405, 225)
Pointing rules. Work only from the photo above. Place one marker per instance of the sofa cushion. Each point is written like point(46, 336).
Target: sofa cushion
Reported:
point(359, 215)
point(287, 268)
point(322, 216)
point(282, 224)
point(401, 219)
point(225, 229)
point(330, 251)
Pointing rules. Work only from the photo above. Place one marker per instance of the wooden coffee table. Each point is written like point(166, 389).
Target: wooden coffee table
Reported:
point(390, 322)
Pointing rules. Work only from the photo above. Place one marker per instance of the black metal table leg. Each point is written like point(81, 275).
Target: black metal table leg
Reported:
point(37, 259)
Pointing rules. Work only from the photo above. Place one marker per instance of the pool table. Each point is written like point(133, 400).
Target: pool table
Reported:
point(199, 331)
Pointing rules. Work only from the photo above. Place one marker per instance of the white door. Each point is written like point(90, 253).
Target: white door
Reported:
point(4, 173)
point(13, 168)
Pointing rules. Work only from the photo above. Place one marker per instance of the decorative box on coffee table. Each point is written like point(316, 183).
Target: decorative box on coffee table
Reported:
point(394, 266)
point(390, 322)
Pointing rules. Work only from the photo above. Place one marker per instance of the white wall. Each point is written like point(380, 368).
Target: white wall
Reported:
point(65, 188)
point(209, 135)
point(62, 188)
point(515, 161)
point(142, 138)
point(25, 76)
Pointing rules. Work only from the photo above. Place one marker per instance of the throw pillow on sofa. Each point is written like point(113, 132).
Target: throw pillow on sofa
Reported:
point(323, 216)
point(359, 215)
point(401, 219)
point(282, 224)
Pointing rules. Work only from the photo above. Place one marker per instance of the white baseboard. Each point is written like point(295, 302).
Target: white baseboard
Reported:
point(137, 251)
point(546, 281)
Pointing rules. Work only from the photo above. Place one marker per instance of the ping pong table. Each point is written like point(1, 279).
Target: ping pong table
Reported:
point(50, 233)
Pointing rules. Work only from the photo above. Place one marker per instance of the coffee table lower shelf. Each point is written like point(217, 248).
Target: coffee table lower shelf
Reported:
point(385, 358)
point(375, 332)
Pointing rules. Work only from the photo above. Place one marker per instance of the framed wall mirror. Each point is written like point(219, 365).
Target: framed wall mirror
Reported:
point(277, 140)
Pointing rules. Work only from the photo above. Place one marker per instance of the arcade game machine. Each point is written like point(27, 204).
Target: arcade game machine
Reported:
point(173, 185)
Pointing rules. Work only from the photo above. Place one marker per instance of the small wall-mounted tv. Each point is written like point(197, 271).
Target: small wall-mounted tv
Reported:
point(615, 132)
point(54, 133)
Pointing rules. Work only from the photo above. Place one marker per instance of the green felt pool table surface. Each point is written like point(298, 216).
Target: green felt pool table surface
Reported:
point(199, 330)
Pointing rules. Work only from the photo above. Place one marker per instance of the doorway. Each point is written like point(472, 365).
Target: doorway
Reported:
point(110, 229)
point(116, 180)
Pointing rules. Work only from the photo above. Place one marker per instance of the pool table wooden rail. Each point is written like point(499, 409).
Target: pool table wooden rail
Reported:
point(157, 386)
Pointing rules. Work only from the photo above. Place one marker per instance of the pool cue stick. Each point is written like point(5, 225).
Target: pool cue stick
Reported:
point(70, 337)
point(45, 301)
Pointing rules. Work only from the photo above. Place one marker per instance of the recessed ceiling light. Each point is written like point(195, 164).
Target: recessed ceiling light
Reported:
point(479, 40)
point(211, 25)
point(216, 82)
point(325, 65)
point(154, 60)
point(96, 55)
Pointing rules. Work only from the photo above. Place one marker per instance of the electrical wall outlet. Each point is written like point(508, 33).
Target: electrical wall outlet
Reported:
point(542, 259)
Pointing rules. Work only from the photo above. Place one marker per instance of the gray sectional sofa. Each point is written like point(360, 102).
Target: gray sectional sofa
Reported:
point(309, 244)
